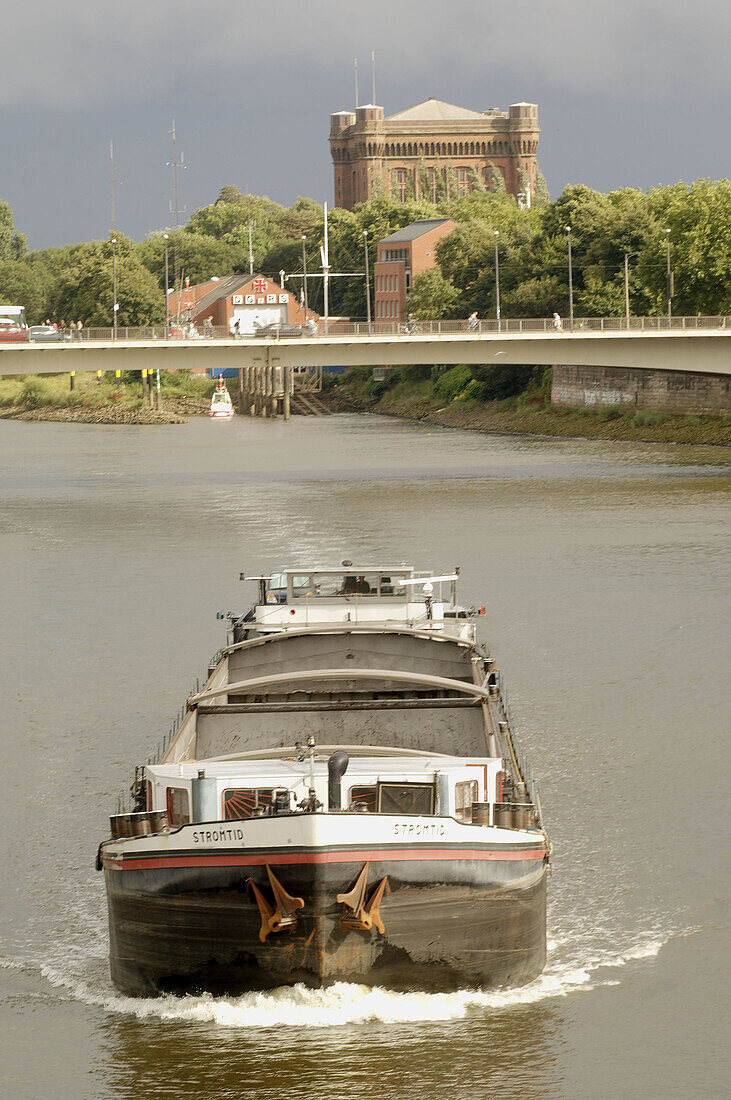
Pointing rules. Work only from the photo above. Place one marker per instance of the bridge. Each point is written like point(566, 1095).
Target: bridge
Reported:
point(683, 364)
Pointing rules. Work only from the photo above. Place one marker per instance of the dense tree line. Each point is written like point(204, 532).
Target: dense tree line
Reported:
point(75, 282)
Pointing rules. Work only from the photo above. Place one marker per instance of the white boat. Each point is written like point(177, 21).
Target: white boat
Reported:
point(344, 800)
point(222, 406)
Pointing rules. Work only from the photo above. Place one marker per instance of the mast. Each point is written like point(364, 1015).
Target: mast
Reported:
point(112, 182)
point(175, 208)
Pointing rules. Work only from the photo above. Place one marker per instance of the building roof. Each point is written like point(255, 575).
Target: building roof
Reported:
point(222, 289)
point(432, 110)
point(415, 230)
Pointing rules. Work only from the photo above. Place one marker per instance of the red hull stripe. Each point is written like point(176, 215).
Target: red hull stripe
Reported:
point(280, 858)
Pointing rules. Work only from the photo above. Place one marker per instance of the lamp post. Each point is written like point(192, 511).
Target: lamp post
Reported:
point(627, 257)
point(167, 298)
point(669, 278)
point(367, 278)
point(304, 272)
point(497, 282)
point(571, 281)
point(114, 287)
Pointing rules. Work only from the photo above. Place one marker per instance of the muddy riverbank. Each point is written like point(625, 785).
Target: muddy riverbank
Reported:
point(528, 414)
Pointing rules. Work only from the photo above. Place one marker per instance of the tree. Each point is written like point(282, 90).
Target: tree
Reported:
point(21, 284)
point(698, 216)
point(433, 297)
point(12, 244)
point(200, 257)
point(84, 291)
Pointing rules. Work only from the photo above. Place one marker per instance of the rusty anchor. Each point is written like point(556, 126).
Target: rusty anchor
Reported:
point(283, 915)
point(359, 913)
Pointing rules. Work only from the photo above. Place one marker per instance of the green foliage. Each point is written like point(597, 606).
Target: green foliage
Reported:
point(474, 391)
point(540, 297)
point(75, 282)
point(432, 296)
point(12, 244)
point(22, 283)
point(35, 392)
point(450, 384)
point(200, 257)
point(84, 291)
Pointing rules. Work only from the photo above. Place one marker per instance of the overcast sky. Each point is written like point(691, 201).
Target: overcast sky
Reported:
point(630, 93)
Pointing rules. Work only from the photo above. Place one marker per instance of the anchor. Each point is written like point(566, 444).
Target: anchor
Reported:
point(360, 914)
point(285, 913)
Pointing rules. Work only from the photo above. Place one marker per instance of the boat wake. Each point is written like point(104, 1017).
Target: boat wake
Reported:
point(82, 972)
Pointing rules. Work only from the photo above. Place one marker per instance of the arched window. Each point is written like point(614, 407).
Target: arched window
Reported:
point(402, 182)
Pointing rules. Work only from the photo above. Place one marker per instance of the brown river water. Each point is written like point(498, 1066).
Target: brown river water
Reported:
point(604, 568)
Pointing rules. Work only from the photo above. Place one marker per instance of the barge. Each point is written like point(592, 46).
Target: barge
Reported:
point(344, 799)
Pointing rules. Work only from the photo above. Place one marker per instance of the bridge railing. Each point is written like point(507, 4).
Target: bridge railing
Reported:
point(507, 326)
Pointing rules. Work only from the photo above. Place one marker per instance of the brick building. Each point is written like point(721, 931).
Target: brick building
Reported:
point(252, 300)
point(429, 150)
point(401, 257)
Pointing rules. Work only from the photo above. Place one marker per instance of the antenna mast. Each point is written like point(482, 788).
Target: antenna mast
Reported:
point(112, 181)
point(355, 69)
point(175, 208)
point(373, 76)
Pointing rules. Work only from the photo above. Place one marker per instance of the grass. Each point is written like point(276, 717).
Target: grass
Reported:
point(54, 390)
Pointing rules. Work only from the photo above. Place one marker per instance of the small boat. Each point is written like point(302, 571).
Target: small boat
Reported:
point(344, 799)
point(221, 404)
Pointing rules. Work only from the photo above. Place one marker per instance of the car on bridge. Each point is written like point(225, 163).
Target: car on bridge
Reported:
point(11, 331)
point(281, 329)
point(47, 334)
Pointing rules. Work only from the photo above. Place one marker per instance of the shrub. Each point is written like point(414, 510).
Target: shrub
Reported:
point(505, 379)
point(610, 412)
point(35, 392)
point(452, 382)
point(474, 391)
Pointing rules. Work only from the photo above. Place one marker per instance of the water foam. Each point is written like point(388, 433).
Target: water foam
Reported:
point(345, 1003)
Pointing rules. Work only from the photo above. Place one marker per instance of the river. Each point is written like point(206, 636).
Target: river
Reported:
point(604, 568)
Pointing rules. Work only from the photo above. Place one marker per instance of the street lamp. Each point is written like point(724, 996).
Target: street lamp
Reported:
point(304, 272)
point(367, 279)
point(571, 281)
point(627, 258)
point(497, 282)
point(114, 287)
point(669, 277)
point(167, 298)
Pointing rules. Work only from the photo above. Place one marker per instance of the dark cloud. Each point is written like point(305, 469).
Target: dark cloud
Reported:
point(629, 93)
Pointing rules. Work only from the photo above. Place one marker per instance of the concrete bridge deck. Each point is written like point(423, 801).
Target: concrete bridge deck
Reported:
point(680, 348)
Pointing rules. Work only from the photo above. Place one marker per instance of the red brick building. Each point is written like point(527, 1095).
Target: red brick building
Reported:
point(401, 257)
point(252, 300)
point(431, 150)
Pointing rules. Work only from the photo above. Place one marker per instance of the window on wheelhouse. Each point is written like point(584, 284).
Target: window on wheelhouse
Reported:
point(362, 799)
point(243, 802)
point(405, 798)
point(464, 795)
point(328, 585)
point(178, 806)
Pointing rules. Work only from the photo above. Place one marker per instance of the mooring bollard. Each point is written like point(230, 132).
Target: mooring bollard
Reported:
point(72, 380)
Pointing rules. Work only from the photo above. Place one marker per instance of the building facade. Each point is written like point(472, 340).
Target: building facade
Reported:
point(401, 257)
point(252, 300)
point(434, 150)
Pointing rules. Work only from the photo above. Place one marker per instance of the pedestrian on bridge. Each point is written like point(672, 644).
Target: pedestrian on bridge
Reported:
point(557, 323)
point(473, 321)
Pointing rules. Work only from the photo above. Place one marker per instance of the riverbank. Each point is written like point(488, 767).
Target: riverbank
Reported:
point(115, 401)
point(529, 412)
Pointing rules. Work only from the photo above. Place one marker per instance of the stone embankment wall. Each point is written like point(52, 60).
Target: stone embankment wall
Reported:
point(671, 391)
